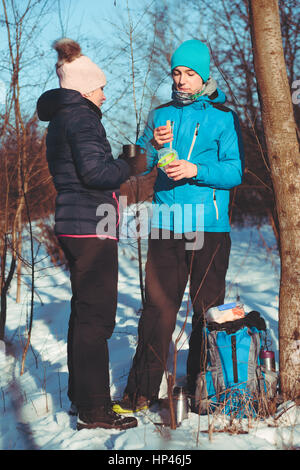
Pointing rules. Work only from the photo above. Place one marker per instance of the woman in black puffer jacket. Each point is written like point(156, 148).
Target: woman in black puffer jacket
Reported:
point(87, 180)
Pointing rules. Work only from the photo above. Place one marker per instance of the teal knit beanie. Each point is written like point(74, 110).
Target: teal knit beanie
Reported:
point(193, 54)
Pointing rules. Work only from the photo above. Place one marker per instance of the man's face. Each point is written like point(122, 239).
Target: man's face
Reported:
point(186, 80)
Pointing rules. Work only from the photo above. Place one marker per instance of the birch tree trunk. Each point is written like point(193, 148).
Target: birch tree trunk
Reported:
point(283, 153)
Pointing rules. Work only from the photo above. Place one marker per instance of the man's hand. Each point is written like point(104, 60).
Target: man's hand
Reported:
point(180, 169)
point(161, 135)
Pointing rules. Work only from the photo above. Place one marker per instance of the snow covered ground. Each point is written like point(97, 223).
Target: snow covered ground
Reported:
point(34, 406)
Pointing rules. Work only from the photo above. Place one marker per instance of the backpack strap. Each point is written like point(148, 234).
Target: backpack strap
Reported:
point(253, 379)
point(216, 364)
point(234, 359)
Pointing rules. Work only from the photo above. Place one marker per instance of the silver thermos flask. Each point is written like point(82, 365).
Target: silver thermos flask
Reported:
point(268, 360)
point(180, 404)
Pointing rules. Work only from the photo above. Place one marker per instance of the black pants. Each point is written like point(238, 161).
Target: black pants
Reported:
point(169, 265)
point(93, 265)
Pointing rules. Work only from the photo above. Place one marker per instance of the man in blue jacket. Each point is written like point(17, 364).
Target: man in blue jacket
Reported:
point(190, 224)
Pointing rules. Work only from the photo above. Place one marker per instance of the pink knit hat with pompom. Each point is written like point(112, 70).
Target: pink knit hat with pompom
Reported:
point(76, 71)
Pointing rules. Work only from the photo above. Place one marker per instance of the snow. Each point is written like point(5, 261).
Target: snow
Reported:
point(34, 406)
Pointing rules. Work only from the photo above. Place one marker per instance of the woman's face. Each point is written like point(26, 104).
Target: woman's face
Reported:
point(96, 96)
point(187, 80)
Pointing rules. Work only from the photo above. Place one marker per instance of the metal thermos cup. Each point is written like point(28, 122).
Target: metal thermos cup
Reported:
point(130, 150)
point(268, 360)
point(180, 404)
point(136, 158)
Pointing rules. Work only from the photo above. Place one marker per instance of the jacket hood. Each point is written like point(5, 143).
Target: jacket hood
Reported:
point(217, 97)
point(53, 101)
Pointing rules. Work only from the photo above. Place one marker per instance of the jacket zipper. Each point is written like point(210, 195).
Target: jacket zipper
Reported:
point(215, 204)
point(193, 141)
point(189, 156)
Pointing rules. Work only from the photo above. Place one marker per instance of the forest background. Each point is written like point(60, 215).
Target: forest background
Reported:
point(132, 41)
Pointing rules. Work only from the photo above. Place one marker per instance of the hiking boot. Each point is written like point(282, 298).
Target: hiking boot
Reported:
point(104, 417)
point(131, 405)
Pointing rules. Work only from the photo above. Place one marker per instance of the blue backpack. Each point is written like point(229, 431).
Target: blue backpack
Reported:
point(232, 378)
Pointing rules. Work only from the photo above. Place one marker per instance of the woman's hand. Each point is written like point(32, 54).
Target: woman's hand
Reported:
point(180, 169)
point(161, 135)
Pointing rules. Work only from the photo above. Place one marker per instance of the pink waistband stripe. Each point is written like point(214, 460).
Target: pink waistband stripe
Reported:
point(88, 236)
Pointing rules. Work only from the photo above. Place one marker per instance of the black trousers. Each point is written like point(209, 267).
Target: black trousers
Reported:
point(93, 265)
point(168, 268)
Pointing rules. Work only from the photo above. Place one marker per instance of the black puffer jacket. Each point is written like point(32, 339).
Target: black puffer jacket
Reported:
point(85, 174)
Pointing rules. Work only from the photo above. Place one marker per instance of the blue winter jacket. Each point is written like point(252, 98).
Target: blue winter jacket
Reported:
point(86, 176)
point(199, 203)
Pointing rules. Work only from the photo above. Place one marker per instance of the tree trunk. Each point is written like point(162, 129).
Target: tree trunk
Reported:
point(3, 299)
point(283, 152)
point(19, 266)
